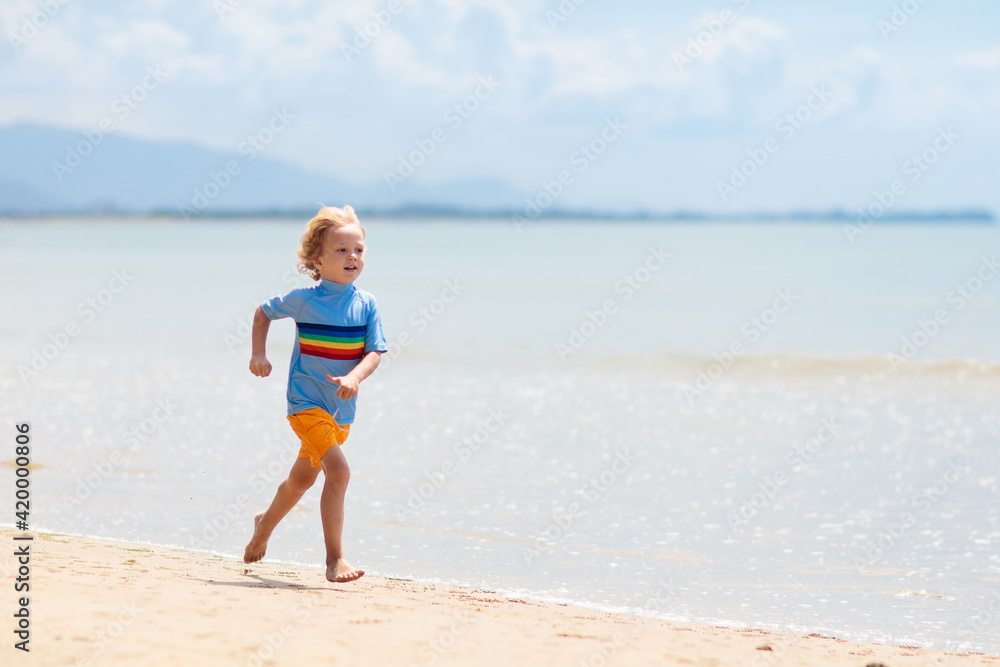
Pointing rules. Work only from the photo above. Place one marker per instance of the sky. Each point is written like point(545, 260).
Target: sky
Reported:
point(728, 105)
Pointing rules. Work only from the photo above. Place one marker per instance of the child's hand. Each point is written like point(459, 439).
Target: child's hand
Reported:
point(348, 386)
point(260, 366)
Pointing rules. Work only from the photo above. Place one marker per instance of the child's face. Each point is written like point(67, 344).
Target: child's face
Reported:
point(343, 255)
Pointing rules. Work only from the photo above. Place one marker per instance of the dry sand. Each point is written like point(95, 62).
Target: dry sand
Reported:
point(96, 602)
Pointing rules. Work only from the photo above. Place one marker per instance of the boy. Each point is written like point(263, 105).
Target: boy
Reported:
point(339, 344)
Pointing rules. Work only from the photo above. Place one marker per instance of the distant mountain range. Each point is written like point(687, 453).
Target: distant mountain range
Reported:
point(49, 170)
point(54, 170)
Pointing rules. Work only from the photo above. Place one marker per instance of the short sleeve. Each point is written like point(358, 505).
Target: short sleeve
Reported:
point(286, 305)
point(374, 337)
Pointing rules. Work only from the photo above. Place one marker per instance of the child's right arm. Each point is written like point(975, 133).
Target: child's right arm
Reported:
point(259, 365)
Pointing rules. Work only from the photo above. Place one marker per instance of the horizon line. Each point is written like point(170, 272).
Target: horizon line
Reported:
point(415, 211)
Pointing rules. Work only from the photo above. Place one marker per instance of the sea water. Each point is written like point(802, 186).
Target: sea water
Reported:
point(784, 426)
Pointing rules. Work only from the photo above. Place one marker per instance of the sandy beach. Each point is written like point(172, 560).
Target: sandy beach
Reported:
point(114, 603)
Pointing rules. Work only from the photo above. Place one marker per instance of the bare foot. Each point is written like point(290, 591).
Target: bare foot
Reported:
point(341, 572)
point(258, 543)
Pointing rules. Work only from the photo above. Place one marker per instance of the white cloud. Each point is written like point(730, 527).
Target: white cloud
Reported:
point(880, 89)
point(747, 35)
point(274, 44)
point(400, 64)
point(145, 39)
point(985, 59)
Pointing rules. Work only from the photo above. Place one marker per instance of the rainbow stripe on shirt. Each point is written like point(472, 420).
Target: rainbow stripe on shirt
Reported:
point(332, 342)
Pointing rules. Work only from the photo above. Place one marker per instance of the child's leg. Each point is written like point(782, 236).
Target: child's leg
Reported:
point(337, 474)
point(300, 478)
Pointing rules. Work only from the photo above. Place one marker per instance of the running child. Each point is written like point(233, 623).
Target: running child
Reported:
point(339, 344)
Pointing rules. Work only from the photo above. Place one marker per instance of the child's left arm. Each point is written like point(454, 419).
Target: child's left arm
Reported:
point(348, 384)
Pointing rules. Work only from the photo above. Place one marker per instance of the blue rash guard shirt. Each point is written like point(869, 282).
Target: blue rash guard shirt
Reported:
point(336, 326)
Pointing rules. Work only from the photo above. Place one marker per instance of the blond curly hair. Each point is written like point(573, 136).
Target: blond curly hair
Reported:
point(311, 245)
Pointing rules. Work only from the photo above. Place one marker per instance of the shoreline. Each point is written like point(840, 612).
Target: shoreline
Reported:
point(97, 601)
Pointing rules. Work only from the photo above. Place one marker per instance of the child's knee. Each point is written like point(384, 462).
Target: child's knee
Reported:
point(301, 481)
point(337, 471)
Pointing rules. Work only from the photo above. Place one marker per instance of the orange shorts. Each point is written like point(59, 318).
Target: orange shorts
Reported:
point(318, 433)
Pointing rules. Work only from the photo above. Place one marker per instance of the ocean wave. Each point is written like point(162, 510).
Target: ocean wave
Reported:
point(797, 365)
